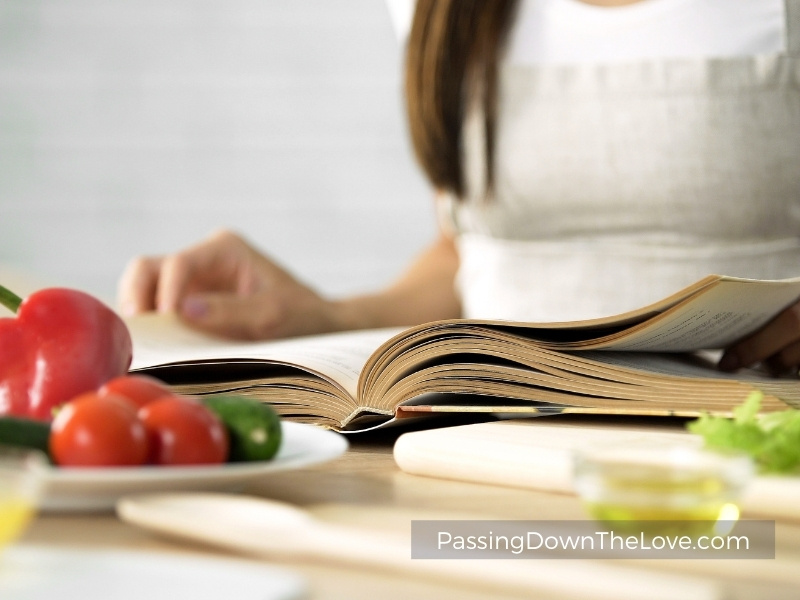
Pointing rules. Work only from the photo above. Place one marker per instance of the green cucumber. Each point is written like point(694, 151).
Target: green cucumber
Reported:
point(28, 433)
point(254, 428)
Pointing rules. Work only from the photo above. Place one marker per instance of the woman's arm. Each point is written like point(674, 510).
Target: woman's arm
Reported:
point(225, 286)
point(425, 292)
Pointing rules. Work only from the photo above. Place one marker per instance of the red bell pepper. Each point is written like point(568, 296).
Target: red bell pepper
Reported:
point(61, 343)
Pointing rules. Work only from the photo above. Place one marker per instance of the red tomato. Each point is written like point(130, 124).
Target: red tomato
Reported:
point(90, 431)
point(181, 431)
point(139, 389)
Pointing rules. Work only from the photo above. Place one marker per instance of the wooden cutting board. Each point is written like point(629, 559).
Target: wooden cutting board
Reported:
point(538, 453)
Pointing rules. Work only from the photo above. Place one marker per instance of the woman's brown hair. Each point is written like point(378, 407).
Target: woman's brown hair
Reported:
point(452, 55)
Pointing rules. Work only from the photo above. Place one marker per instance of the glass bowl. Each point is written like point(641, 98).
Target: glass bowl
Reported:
point(662, 487)
point(21, 476)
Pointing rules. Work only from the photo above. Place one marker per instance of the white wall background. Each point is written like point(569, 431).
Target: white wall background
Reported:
point(140, 126)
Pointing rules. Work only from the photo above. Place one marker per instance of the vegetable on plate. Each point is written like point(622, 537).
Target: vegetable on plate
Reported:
point(254, 428)
point(182, 431)
point(95, 431)
point(61, 343)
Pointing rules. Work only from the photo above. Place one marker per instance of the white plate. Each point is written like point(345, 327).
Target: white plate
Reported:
point(31, 572)
point(88, 489)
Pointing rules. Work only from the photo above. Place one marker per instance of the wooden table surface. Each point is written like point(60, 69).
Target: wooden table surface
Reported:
point(364, 488)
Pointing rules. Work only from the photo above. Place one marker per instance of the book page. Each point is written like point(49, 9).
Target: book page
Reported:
point(162, 340)
point(700, 365)
point(719, 315)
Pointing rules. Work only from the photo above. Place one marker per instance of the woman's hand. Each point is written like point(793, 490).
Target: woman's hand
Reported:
point(776, 346)
point(226, 287)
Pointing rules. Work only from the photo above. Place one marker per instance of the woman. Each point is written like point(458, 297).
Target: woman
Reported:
point(589, 157)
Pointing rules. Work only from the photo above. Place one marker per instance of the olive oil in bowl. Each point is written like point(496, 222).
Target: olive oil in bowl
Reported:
point(20, 486)
point(662, 489)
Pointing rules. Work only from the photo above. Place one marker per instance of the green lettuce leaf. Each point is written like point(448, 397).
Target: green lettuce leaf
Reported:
point(773, 440)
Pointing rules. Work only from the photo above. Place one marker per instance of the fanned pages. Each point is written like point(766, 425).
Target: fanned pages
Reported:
point(657, 360)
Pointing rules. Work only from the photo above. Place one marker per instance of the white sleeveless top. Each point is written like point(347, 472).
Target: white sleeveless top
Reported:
point(617, 184)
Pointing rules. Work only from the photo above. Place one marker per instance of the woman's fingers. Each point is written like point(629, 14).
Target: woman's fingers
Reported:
point(225, 287)
point(210, 265)
point(776, 345)
point(136, 290)
point(162, 283)
point(254, 316)
point(785, 361)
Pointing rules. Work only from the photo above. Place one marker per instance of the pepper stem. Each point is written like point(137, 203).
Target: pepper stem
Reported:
point(9, 299)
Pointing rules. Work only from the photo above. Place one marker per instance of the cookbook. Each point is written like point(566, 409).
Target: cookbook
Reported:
point(658, 360)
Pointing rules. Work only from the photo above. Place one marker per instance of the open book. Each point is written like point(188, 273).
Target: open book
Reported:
point(644, 362)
